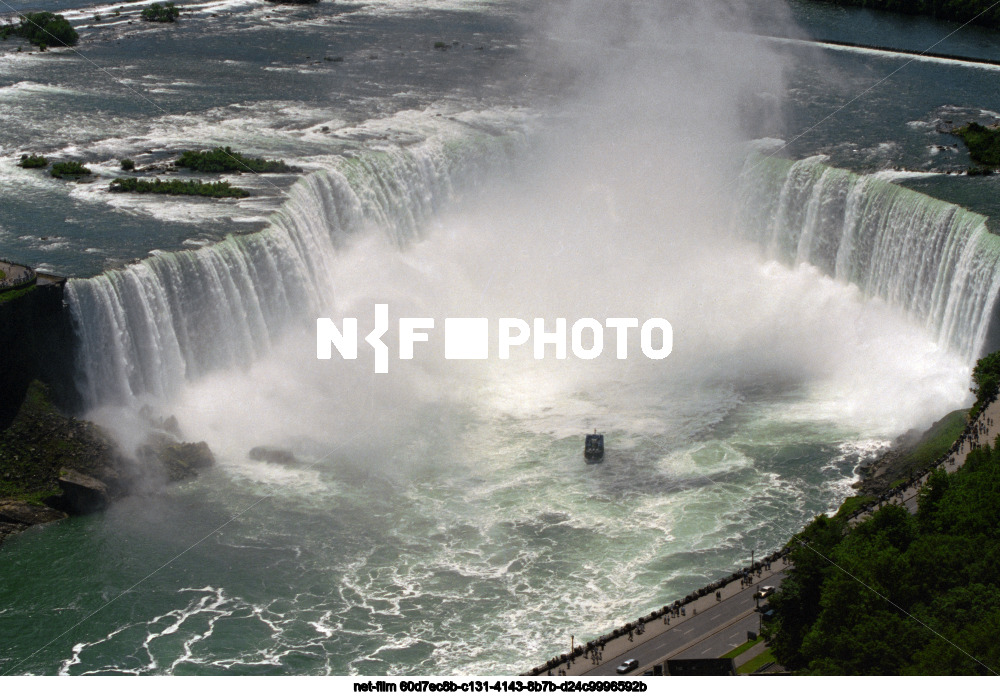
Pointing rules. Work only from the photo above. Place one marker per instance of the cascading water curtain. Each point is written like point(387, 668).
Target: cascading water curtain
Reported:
point(936, 261)
point(144, 329)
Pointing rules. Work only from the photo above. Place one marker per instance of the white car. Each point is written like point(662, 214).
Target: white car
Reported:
point(765, 591)
point(627, 666)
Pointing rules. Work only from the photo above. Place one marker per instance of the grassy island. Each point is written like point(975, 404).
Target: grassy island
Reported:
point(983, 143)
point(178, 187)
point(69, 170)
point(43, 29)
point(225, 159)
point(161, 13)
point(33, 162)
point(977, 11)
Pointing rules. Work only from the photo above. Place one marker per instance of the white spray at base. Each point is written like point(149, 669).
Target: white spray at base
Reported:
point(152, 326)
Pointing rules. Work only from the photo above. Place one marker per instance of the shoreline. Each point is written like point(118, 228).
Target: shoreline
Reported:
point(873, 481)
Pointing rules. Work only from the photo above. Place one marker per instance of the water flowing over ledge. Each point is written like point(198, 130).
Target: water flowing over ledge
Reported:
point(145, 329)
point(936, 261)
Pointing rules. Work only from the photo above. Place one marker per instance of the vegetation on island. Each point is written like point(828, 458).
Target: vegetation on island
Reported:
point(900, 593)
point(983, 144)
point(127, 165)
point(33, 162)
point(69, 170)
point(43, 29)
point(225, 159)
point(178, 187)
point(983, 12)
point(156, 12)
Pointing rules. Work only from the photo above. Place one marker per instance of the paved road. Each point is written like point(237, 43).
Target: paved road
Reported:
point(712, 632)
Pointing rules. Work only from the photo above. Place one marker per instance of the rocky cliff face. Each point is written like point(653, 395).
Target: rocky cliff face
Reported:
point(36, 342)
point(52, 465)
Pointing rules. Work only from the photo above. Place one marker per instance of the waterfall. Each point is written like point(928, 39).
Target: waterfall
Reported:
point(934, 260)
point(144, 329)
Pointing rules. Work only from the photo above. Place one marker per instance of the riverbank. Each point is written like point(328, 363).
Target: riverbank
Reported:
point(929, 546)
point(911, 453)
point(894, 478)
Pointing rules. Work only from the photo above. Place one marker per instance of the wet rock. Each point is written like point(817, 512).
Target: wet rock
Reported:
point(177, 460)
point(21, 513)
point(82, 494)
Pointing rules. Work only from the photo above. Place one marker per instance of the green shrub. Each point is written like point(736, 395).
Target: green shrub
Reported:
point(33, 162)
point(983, 143)
point(225, 159)
point(178, 187)
point(161, 13)
point(127, 165)
point(69, 170)
point(42, 29)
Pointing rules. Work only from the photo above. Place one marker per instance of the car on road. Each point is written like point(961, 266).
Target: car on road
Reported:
point(765, 591)
point(627, 666)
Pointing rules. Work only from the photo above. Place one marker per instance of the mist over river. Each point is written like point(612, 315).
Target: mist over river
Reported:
point(545, 160)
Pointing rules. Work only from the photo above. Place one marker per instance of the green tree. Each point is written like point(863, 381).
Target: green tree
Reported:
point(161, 13)
point(43, 29)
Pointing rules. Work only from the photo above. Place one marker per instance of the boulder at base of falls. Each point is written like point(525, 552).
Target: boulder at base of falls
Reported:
point(82, 494)
point(176, 460)
point(20, 512)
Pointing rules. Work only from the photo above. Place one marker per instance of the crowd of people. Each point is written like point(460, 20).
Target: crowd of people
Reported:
point(14, 275)
point(594, 650)
point(971, 439)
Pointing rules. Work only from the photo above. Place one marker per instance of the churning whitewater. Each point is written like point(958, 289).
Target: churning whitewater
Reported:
point(440, 519)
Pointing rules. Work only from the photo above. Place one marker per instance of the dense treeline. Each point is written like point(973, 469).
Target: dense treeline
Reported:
point(985, 381)
point(978, 11)
point(901, 594)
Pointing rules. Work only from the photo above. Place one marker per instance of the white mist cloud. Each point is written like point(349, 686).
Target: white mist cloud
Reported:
point(623, 208)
